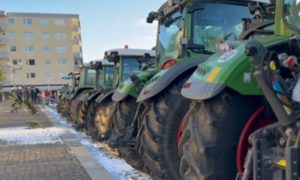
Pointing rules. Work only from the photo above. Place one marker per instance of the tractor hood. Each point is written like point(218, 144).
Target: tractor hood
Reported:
point(132, 86)
point(166, 76)
point(226, 69)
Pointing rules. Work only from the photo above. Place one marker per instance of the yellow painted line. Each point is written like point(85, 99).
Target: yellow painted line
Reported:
point(213, 74)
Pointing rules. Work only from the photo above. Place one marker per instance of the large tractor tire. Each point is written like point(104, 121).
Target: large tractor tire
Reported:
point(160, 123)
point(103, 119)
point(59, 106)
point(82, 119)
point(90, 119)
point(211, 133)
point(75, 106)
point(62, 106)
point(122, 118)
point(66, 108)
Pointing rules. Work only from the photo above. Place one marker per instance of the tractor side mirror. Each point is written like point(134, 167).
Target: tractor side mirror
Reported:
point(151, 17)
point(146, 57)
point(253, 6)
point(133, 77)
point(112, 56)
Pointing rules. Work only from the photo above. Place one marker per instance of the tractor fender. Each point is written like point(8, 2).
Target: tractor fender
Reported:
point(165, 77)
point(118, 95)
point(132, 88)
point(94, 95)
point(230, 69)
point(79, 90)
point(201, 90)
point(99, 99)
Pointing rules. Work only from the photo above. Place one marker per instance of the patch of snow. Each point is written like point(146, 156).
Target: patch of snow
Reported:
point(116, 166)
point(23, 135)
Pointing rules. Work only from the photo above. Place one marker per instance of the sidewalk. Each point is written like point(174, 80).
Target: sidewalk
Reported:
point(31, 147)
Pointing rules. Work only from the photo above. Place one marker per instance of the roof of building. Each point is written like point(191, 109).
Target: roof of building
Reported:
point(29, 14)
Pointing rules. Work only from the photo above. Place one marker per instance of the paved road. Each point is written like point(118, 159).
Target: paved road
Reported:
point(31, 147)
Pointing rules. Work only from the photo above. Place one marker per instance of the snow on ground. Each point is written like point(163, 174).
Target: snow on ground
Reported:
point(24, 135)
point(116, 166)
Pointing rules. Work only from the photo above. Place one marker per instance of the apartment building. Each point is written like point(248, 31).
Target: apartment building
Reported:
point(39, 49)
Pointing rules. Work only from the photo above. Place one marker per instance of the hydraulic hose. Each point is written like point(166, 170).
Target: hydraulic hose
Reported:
point(257, 53)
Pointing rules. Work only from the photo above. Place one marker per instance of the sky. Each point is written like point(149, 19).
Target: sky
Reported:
point(104, 24)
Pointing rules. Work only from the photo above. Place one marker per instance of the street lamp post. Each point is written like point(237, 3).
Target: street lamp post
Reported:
point(14, 74)
point(14, 69)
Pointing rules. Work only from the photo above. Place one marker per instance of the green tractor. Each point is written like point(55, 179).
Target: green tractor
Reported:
point(87, 81)
point(228, 105)
point(62, 104)
point(277, 74)
point(189, 32)
point(100, 108)
point(103, 84)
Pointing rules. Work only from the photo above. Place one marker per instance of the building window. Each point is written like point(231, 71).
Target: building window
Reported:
point(59, 22)
point(47, 61)
point(15, 62)
point(28, 35)
point(31, 62)
point(60, 36)
point(44, 22)
point(46, 49)
point(48, 75)
point(11, 21)
point(13, 48)
point(62, 61)
point(28, 48)
point(61, 49)
point(27, 21)
point(76, 48)
point(45, 35)
point(31, 75)
point(11, 35)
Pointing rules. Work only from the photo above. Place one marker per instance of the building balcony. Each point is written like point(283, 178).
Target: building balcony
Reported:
point(76, 42)
point(77, 55)
point(75, 28)
point(4, 54)
point(2, 28)
point(78, 61)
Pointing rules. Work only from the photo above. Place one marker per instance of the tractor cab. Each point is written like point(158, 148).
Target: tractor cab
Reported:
point(87, 76)
point(104, 74)
point(189, 27)
point(248, 113)
point(277, 74)
point(128, 61)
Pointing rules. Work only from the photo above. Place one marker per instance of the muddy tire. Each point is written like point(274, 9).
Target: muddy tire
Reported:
point(81, 123)
point(63, 107)
point(103, 119)
point(75, 106)
point(122, 118)
point(59, 106)
point(158, 131)
point(211, 133)
point(90, 119)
